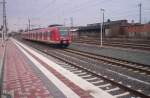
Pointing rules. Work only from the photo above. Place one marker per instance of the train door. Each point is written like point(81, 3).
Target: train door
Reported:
point(44, 35)
point(29, 35)
point(41, 37)
point(33, 35)
point(52, 35)
point(38, 35)
point(48, 35)
point(57, 35)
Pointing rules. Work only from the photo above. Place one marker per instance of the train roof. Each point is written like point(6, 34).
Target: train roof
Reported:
point(55, 25)
point(48, 29)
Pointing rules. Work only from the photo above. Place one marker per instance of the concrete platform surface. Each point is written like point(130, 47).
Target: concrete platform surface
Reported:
point(29, 74)
point(2, 51)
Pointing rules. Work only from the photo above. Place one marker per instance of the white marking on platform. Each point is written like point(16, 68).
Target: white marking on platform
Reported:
point(123, 94)
point(96, 92)
point(66, 90)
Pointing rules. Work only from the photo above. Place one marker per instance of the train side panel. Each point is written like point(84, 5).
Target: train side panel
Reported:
point(49, 35)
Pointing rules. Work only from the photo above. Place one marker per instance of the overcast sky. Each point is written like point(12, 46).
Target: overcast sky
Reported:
point(45, 12)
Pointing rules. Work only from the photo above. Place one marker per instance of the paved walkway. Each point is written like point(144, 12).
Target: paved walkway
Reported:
point(20, 81)
point(29, 74)
point(2, 50)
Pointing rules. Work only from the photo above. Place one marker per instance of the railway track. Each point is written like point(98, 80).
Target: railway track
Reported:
point(141, 68)
point(120, 40)
point(104, 79)
point(117, 44)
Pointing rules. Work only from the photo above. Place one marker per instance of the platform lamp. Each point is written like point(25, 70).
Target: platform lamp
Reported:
point(101, 28)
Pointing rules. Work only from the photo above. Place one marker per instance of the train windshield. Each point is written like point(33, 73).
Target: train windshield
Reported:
point(63, 31)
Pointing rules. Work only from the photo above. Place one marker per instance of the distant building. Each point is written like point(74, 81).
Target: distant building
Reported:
point(111, 29)
point(137, 30)
point(119, 28)
point(74, 32)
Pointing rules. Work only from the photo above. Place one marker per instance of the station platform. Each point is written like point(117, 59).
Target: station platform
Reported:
point(29, 74)
point(2, 49)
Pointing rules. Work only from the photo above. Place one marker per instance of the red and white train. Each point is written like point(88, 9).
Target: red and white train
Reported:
point(57, 35)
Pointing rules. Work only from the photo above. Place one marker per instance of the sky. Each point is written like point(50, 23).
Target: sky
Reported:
point(45, 12)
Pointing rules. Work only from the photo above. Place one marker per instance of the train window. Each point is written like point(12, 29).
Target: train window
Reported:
point(63, 31)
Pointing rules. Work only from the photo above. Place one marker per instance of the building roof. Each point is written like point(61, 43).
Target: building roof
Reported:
point(106, 24)
point(109, 23)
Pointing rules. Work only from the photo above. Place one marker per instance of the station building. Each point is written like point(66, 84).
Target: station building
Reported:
point(137, 30)
point(110, 29)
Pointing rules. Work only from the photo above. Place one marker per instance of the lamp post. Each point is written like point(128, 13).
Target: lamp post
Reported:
point(101, 28)
point(4, 29)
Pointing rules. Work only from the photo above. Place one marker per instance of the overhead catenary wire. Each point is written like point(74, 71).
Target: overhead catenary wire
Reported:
point(57, 10)
point(75, 8)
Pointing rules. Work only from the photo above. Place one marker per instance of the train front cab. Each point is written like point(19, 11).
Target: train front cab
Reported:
point(65, 38)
